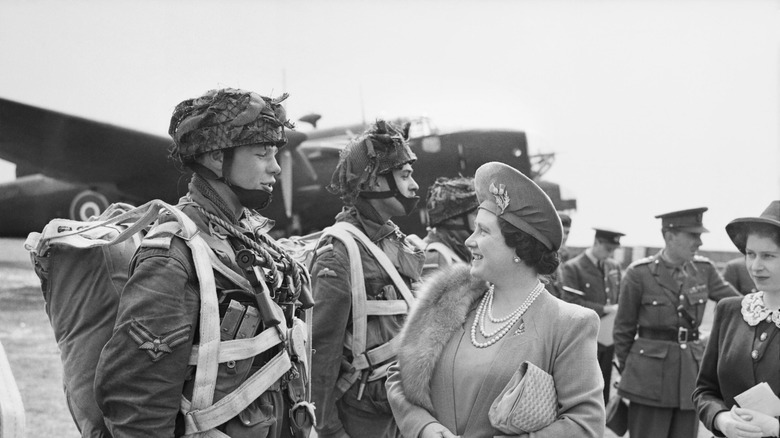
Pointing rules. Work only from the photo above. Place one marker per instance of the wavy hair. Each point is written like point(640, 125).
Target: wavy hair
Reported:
point(531, 251)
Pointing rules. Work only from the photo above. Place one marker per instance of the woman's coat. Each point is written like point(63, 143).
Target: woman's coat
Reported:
point(558, 337)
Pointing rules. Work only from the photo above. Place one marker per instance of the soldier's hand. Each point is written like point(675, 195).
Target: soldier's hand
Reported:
point(734, 426)
point(436, 430)
point(769, 425)
point(612, 308)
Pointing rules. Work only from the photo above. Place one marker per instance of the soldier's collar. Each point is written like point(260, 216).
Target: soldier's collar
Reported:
point(668, 263)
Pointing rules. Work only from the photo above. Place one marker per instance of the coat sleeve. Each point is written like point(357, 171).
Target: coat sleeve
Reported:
point(578, 382)
point(142, 368)
point(628, 314)
point(707, 396)
point(332, 291)
point(411, 419)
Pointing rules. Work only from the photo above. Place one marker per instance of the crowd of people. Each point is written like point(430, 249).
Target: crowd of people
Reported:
point(488, 326)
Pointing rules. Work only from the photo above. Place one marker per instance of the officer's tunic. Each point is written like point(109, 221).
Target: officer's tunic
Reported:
point(599, 288)
point(658, 372)
point(737, 274)
point(332, 290)
point(143, 369)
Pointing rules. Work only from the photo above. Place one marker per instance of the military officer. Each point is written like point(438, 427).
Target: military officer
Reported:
point(592, 280)
point(662, 300)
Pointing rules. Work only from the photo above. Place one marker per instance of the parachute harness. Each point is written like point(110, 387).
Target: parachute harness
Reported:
point(274, 258)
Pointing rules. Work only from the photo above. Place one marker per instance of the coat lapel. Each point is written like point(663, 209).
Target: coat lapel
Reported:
point(443, 304)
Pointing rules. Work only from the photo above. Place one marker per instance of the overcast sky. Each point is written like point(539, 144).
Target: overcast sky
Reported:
point(650, 106)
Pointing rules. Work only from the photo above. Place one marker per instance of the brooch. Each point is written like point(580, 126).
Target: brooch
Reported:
point(502, 198)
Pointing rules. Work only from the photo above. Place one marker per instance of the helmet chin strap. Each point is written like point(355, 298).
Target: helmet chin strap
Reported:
point(254, 199)
point(407, 203)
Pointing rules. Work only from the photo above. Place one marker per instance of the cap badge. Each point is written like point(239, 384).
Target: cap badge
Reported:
point(502, 198)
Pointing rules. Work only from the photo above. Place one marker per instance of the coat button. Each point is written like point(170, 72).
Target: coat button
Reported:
point(683, 346)
point(682, 297)
point(754, 354)
point(655, 303)
point(641, 351)
point(763, 336)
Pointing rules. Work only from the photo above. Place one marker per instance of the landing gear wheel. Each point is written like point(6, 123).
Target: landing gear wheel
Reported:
point(87, 204)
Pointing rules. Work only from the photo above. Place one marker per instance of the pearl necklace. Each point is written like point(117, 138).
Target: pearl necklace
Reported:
point(485, 308)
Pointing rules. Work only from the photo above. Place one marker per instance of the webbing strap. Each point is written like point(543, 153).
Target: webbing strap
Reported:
point(208, 357)
point(376, 356)
point(386, 307)
point(359, 322)
point(201, 420)
point(238, 349)
point(449, 255)
point(380, 257)
point(361, 307)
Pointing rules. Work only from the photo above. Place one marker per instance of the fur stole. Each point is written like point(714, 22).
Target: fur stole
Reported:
point(443, 303)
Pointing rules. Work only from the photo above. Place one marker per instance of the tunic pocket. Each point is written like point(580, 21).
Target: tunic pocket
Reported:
point(255, 421)
point(656, 310)
point(644, 370)
point(698, 300)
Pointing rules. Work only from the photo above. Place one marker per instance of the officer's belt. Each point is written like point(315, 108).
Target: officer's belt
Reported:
point(681, 334)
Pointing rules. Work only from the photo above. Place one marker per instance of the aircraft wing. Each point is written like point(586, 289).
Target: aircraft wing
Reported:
point(80, 150)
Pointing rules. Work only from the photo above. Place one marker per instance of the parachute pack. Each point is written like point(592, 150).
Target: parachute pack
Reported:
point(83, 267)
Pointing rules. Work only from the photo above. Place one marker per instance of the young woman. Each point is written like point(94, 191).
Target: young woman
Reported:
point(744, 346)
point(474, 326)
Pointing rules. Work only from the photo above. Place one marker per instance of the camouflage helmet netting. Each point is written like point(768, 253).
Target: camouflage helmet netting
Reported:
point(227, 118)
point(379, 150)
point(449, 198)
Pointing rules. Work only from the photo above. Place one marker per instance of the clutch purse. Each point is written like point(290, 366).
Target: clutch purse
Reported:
point(527, 403)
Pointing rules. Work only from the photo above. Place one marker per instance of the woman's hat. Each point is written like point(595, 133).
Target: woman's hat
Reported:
point(736, 228)
point(512, 196)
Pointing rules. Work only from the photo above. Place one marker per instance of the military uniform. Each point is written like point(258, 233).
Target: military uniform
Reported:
point(139, 385)
point(593, 286)
point(737, 274)
point(148, 372)
point(368, 415)
point(348, 386)
point(438, 253)
point(663, 305)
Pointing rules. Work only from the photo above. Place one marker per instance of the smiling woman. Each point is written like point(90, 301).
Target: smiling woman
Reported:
point(481, 334)
point(744, 337)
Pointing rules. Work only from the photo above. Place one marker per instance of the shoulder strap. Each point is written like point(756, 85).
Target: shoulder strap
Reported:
point(444, 250)
point(380, 257)
point(348, 234)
